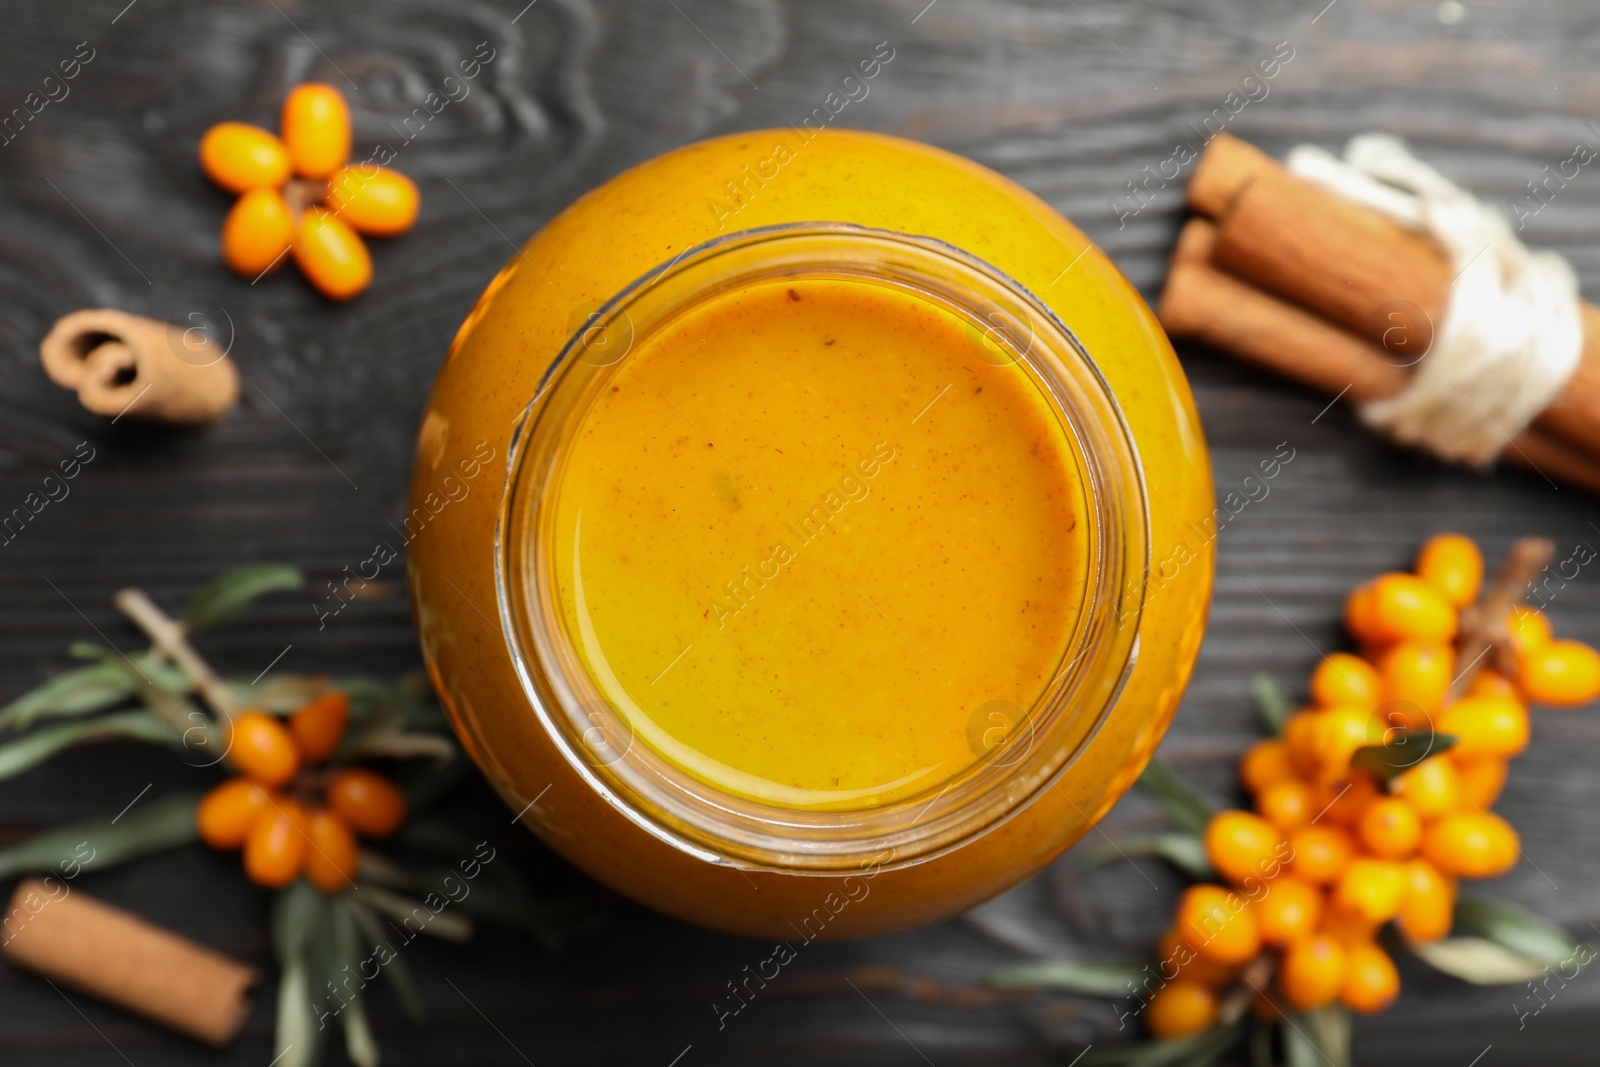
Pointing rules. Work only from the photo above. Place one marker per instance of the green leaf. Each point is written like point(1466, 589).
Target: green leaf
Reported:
point(1272, 703)
point(345, 957)
point(154, 826)
point(1475, 960)
point(1400, 753)
point(1196, 1051)
point(1183, 850)
point(296, 919)
point(299, 936)
point(1090, 978)
point(394, 968)
point(441, 923)
point(1182, 804)
point(1514, 927)
point(80, 691)
point(1318, 1038)
point(232, 591)
point(34, 748)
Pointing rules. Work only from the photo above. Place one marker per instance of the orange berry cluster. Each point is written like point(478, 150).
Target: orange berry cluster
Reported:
point(1329, 855)
point(286, 833)
point(318, 217)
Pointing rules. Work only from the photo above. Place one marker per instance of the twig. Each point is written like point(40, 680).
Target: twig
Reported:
point(1257, 975)
point(1485, 626)
point(167, 635)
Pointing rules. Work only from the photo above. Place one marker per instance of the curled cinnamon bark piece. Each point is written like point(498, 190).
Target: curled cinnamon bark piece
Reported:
point(121, 364)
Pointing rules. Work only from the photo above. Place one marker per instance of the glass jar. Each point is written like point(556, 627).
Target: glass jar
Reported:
point(516, 667)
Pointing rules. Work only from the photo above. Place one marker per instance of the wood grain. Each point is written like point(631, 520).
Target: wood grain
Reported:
point(101, 204)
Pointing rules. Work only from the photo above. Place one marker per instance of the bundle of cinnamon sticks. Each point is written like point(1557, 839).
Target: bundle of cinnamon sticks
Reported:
point(1287, 275)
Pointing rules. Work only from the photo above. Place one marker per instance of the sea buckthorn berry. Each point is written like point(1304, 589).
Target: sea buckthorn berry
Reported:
point(1290, 912)
point(1528, 628)
point(225, 815)
point(368, 803)
point(1218, 925)
point(260, 746)
point(1340, 732)
point(1263, 764)
point(1489, 682)
point(1373, 889)
point(1321, 852)
point(1371, 982)
point(1312, 973)
point(1359, 615)
point(1241, 845)
point(1416, 673)
point(1485, 727)
point(1344, 680)
point(1406, 608)
point(257, 232)
point(1352, 794)
point(1432, 787)
point(275, 849)
point(1299, 740)
point(1471, 844)
point(318, 725)
point(1390, 828)
point(330, 853)
point(1347, 927)
point(331, 256)
point(1288, 804)
point(1452, 564)
point(378, 201)
point(1430, 904)
point(316, 127)
point(1178, 958)
point(1561, 674)
point(1180, 1009)
point(1481, 780)
point(240, 157)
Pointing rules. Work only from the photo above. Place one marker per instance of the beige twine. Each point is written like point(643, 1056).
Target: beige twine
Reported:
point(1511, 335)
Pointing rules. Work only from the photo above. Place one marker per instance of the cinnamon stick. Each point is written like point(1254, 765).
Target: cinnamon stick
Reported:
point(1359, 270)
point(67, 936)
point(1211, 305)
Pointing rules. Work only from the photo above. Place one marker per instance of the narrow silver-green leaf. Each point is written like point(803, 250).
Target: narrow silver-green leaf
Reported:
point(1318, 1038)
point(1185, 807)
point(345, 958)
point(1272, 703)
point(298, 937)
point(1197, 1051)
point(34, 748)
point(79, 691)
point(1400, 753)
point(1514, 927)
point(394, 968)
point(153, 826)
point(234, 590)
point(1185, 851)
point(1475, 960)
point(1090, 978)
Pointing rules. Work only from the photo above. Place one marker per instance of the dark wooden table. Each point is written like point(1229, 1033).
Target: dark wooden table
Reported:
point(101, 204)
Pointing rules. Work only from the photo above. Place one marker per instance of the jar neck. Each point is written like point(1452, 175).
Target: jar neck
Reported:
point(1009, 326)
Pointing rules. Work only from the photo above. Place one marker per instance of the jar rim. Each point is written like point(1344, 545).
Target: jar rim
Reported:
point(1033, 753)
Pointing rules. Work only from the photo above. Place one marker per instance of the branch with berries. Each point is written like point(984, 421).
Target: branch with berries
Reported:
point(304, 804)
point(1371, 806)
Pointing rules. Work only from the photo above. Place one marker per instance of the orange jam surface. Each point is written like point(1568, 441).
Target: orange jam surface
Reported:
point(810, 533)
